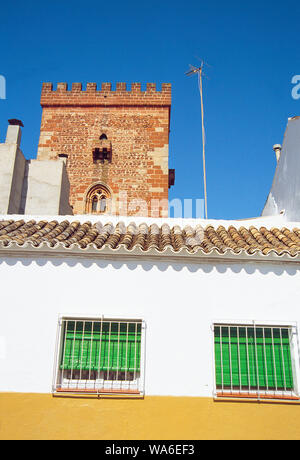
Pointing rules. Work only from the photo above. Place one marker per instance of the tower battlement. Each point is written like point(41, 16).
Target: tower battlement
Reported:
point(106, 96)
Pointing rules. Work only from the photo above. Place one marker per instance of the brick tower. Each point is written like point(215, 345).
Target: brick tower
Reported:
point(115, 145)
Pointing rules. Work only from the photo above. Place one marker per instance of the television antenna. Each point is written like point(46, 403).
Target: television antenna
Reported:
point(199, 71)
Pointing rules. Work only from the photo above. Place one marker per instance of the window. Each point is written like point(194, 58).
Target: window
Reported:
point(100, 155)
point(254, 361)
point(98, 204)
point(102, 203)
point(97, 200)
point(100, 356)
point(94, 204)
point(102, 150)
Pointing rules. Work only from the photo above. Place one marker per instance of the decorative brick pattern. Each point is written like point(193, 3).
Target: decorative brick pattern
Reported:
point(136, 124)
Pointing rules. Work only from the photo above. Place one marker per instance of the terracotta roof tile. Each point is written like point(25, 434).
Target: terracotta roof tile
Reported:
point(146, 237)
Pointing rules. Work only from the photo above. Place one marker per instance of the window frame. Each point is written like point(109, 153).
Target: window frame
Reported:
point(100, 192)
point(119, 392)
point(260, 394)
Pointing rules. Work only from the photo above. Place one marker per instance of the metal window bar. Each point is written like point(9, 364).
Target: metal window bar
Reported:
point(118, 357)
point(274, 360)
point(252, 371)
point(230, 360)
point(221, 348)
point(126, 366)
point(260, 382)
point(294, 347)
point(239, 357)
point(265, 359)
point(108, 354)
point(92, 356)
point(81, 352)
point(248, 361)
point(91, 350)
point(64, 349)
point(135, 351)
point(100, 349)
point(74, 341)
point(282, 355)
point(256, 357)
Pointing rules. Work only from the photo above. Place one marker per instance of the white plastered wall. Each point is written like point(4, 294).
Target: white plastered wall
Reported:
point(178, 302)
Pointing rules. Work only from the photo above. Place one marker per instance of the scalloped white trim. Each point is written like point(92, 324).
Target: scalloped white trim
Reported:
point(13, 249)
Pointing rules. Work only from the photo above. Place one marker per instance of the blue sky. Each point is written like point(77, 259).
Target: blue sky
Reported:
point(253, 49)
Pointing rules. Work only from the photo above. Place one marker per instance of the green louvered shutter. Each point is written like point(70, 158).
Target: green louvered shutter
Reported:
point(101, 346)
point(252, 358)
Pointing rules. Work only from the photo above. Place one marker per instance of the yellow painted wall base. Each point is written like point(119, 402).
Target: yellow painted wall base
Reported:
point(39, 416)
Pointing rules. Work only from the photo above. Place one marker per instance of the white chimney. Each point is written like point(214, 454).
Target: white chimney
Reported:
point(14, 132)
point(277, 150)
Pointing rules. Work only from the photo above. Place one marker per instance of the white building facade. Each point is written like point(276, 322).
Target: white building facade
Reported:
point(196, 316)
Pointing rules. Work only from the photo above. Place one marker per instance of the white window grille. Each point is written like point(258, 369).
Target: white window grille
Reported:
point(100, 356)
point(255, 360)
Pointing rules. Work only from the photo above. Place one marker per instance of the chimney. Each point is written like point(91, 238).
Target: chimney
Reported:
point(285, 190)
point(63, 157)
point(277, 150)
point(14, 132)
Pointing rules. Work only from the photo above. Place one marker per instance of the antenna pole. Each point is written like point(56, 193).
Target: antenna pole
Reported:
point(199, 70)
point(203, 138)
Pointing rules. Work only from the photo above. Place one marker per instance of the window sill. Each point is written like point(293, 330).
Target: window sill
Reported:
point(257, 397)
point(97, 392)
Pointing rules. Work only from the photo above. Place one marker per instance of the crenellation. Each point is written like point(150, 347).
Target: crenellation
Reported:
point(91, 87)
point(166, 87)
point(136, 87)
point(76, 87)
point(62, 87)
point(105, 87)
point(46, 87)
point(121, 86)
point(151, 87)
point(91, 96)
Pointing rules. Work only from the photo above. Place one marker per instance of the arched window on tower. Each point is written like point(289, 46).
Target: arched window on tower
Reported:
point(97, 200)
